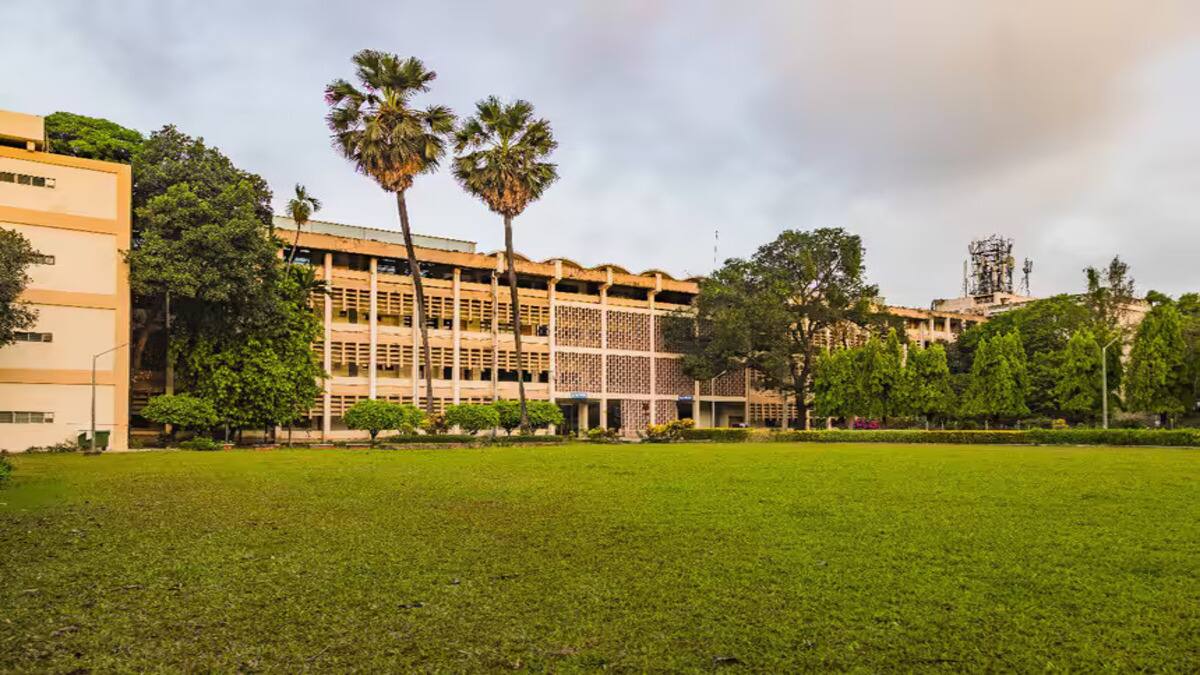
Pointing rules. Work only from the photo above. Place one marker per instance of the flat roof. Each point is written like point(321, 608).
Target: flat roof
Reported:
point(376, 234)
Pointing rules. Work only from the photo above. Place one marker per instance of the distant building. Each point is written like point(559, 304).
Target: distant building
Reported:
point(75, 212)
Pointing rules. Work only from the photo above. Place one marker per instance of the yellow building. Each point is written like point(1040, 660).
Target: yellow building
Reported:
point(75, 213)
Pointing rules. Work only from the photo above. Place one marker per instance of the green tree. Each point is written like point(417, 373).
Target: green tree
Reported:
point(374, 416)
point(16, 255)
point(1077, 388)
point(92, 138)
point(509, 415)
point(1189, 310)
point(999, 379)
point(264, 372)
point(300, 208)
point(501, 152)
point(926, 388)
point(201, 244)
point(1110, 294)
point(1045, 326)
point(773, 312)
point(379, 131)
point(473, 417)
point(181, 411)
point(1157, 381)
point(543, 414)
point(835, 384)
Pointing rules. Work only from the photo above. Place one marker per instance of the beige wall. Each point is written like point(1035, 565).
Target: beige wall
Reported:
point(71, 405)
point(83, 299)
point(84, 261)
point(79, 192)
point(78, 333)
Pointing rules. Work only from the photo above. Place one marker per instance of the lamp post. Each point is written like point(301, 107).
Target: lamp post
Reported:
point(1104, 380)
point(95, 357)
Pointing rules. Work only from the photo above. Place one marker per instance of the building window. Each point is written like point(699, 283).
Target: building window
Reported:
point(25, 417)
point(26, 179)
point(40, 259)
point(25, 336)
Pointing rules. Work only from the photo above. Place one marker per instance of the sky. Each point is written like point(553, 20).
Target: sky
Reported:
point(695, 131)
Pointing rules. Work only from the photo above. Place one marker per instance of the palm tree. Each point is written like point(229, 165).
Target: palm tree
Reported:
point(500, 159)
point(387, 139)
point(300, 208)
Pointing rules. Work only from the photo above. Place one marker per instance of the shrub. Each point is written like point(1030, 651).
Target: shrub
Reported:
point(472, 417)
point(542, 414)
point(509, 414)
point(435, 424)
point(374, 416)
point(428, 439)
point(524, 439)
point(200, 443)
point(181, 410)
point(602, 435)
point(1059, 423)
point(6, 469)
point(722, 434)
point(669, 431)
point(68, 445)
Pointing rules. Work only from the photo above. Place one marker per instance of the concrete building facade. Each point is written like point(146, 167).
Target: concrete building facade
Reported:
point(592, 337)
point(76, 214)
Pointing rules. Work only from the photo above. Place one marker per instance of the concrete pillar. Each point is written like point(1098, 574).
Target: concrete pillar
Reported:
point(552, 388)
point(584, 422)
point(496, 329)
point(653, 357)
point(604, 351)
point(457, 330)
point(696, 402)
point(327, 355)
point(416, 347)
point(373, 329)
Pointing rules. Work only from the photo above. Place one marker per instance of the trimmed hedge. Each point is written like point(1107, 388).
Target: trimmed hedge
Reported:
point(467, 439)
point(723, 434)
point(1179, 437)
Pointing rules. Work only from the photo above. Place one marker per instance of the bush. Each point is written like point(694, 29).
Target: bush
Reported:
point(6, 469)
point(669, 431)
point(200, 443)
point(181, 410)
point(542, 414)
point(524, 439)
point(1178, 437)
point(509, 414)
point(602, 435)
point(69, 445)
point(722, 434)
point(374, 416)
point(435, 424)
point(426, 439)
point(472, 417)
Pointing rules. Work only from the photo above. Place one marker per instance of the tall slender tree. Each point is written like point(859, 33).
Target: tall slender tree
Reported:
point(1157, 381)
point(377, 128)
point(1077, 388)
point(300, 208)
point(501, 152)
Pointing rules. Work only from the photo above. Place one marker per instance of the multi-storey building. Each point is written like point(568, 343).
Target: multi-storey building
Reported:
point(592, 336)
point(75, 213)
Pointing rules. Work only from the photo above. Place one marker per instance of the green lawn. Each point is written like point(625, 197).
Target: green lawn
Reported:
point(687, 557)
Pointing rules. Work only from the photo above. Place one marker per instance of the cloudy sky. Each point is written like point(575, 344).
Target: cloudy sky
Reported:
point(1072, 126)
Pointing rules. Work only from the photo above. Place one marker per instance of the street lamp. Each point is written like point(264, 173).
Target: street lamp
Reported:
point(96, 357)
point(1104, 379)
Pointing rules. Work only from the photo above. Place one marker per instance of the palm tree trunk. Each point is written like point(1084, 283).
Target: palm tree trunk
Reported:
point(516, 321)
point(295, 245)
point(419, 290)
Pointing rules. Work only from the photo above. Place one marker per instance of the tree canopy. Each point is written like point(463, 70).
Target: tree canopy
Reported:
point(999, 379)
point(92, 138)
point(1157, 380)
point(16, 255)
point(775, 311)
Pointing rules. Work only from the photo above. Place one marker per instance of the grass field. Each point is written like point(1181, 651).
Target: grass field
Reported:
point(686, 557)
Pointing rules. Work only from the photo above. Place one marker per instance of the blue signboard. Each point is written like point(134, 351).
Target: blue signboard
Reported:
point(579, 395)
point(685, 399)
